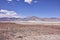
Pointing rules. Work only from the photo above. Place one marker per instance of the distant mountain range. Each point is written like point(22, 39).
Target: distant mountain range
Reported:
point(31, 18)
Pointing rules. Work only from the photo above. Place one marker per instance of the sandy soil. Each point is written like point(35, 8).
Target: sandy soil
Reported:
point(12, 31)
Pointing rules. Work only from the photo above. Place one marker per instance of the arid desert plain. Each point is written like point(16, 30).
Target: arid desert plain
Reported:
point(14, 31)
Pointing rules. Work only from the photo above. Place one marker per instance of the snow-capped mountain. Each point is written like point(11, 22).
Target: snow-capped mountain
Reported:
point(31, 18)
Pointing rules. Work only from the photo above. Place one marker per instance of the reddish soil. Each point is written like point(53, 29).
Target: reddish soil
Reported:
point(11, 31)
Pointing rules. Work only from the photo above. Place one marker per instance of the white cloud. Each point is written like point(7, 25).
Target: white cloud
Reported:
point(6, 13)
point(9, 0)
point(28, 1)
point(35, 1)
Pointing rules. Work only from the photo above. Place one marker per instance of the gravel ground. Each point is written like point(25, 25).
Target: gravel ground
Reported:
point(29, 32)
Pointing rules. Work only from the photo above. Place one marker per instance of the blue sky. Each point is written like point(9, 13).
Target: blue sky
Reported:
point(39, 8)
